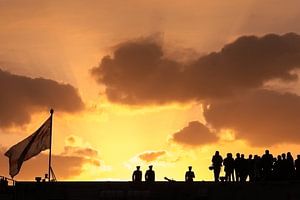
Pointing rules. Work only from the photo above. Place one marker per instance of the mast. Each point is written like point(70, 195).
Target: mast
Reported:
point(50, 150)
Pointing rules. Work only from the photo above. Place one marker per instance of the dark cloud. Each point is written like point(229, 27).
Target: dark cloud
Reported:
point(151, 155)
point(21, 96)
point(195, 134)
point(261, 117)
point(66, 165)
point(139, 73)
point(230, 80)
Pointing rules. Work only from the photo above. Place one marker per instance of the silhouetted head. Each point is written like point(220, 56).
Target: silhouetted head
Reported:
point(238, 155)
point(298, 156)
point(150, 166)
point(267, 152)
point(289, 154)
point(138, 167)
point(279, 157)
point(217, 153)
point(283, 156)
point(242, 156)
point(250, 156)
point(190, 168)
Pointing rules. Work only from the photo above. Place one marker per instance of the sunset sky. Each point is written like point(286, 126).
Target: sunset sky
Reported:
point(140, 82)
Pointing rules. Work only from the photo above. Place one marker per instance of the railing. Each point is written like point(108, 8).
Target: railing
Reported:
point(7, 181)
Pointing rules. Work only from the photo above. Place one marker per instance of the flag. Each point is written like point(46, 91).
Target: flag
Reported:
point(39, 141)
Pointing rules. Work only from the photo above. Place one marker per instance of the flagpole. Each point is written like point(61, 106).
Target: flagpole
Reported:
point(49, 169)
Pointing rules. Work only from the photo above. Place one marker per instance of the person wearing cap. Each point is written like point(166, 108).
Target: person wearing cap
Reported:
point(189, 175)
point(150, 175)
point(137, 175)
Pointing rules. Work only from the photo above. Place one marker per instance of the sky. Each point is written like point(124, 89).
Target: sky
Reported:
point(148, 82)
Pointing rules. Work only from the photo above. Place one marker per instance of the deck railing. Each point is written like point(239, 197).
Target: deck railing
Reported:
point(5, 181)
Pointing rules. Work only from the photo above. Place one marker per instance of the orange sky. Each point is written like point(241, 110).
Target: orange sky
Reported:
point(160, 78)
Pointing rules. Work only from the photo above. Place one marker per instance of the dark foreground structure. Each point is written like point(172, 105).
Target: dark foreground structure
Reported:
point(153, 191)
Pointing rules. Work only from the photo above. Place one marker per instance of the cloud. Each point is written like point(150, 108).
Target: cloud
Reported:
point(138, 72)
point(86, 151)
point(75, 146)
point(261, 117)
point(72, 162)
point(195, 134)
point(21, 96)
point(65, 167)
point(230, 80)
point(155, 157)
point(150, 156)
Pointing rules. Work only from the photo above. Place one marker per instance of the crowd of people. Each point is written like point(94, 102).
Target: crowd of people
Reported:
point(240, 169)
point(256, 168)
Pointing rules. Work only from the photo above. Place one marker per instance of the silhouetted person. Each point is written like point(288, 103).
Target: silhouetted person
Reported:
point(277, 169)
point(284, 167)
point(189, 175)
point(257, 168)
point(297, 166)
point(229, 167)
point(217, 164)
point(137, 175)
point(237, 167)
point(274, 175)
point(243, 168)
point(290, 166)
point(150, 175)
point(267, 165)
point(250, 166)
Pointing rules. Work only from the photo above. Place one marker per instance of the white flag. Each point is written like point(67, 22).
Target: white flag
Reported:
point(29, 147)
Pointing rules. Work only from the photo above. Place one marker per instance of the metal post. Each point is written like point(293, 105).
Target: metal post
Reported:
point(49, 169)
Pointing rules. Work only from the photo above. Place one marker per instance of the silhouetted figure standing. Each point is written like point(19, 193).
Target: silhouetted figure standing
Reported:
point(267, 164)
point(297, 165)
point(189, 175)
point(277, 169)
point(250, 166)
point(150, 175)
point(274, 175)
point(217, 164)
point(243, 168)
point(237, 167)
point(290, 166)
point(137, 175)
point(229, 167)
point(257, 168)
point(284, 167)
